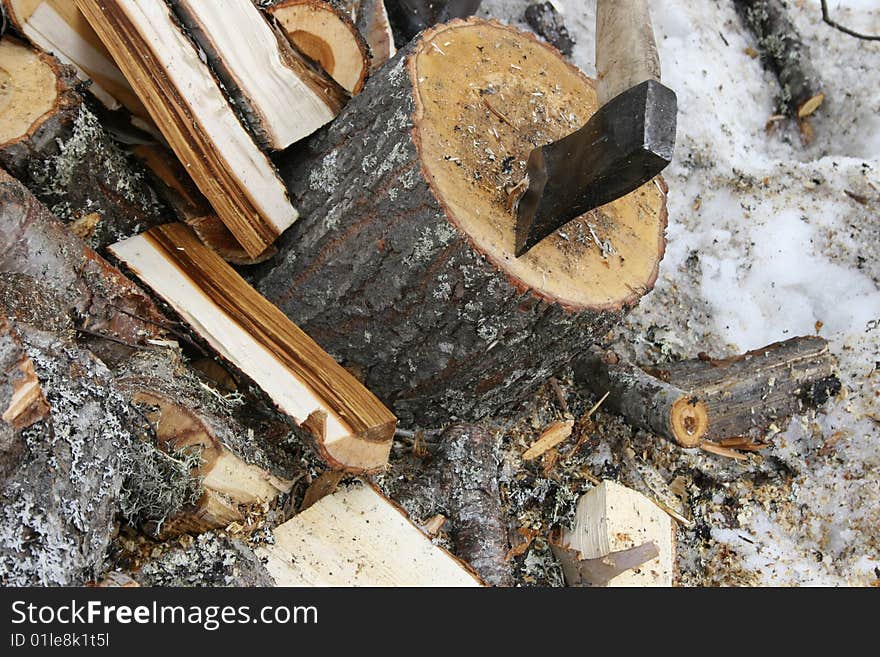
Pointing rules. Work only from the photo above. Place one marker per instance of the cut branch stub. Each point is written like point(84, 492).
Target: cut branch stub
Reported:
point(327, 35)
point(352, 430)
point(414, 279)
point(646, 401)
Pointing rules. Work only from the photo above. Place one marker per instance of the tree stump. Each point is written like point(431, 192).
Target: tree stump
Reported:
point(403, 264)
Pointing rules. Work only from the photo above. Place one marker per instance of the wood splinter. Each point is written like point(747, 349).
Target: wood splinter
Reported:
point(352, 430)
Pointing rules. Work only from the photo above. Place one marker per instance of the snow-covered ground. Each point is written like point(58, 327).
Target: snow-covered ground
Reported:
point(771, 238)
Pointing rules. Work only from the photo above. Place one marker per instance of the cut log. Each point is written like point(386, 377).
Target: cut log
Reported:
point(190, 110)
point(55, 145)
point(374, 24)
point(58, 495)
point(281, 98)
point(748, 393)
point(409, 17)
point(785, 54)
point(459, 480)
point(50, 279)
point(413, 279)
point(546, 21)
point(328, 36)
point(646, 401)
point(244, 460)
point(57, 26)
point(619, 538)
point(357, 537)
point(736, 397)
point(352, 430)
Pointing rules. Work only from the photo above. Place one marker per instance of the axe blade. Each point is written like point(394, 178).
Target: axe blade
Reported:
point(624, 145)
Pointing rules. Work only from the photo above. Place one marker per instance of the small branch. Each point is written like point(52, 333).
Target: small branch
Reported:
point(826, 16)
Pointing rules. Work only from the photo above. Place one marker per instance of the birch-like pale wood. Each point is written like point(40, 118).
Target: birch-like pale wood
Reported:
point(358, 537)
point(189, 108)
point(612, 518)
point(374, 24)
point(352, 430)
point(326, 34)
point(626, 52)
point(280, 97)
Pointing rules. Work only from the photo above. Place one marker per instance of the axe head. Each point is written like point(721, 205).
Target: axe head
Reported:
point(624, 145)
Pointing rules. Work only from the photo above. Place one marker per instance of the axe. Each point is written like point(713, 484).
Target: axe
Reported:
point(624, 145)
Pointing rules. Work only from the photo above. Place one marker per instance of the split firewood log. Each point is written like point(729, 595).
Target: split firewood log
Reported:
point(403, 263)
point(325, 33)
point(703, 399)
point(349, 426)
point(358, 537)
point(619, 538)
point(189, 107)
point(280, 96)
point(459, 480)
point(244, 448)
point(51, 280)
point(374, 24)
point(52, 142)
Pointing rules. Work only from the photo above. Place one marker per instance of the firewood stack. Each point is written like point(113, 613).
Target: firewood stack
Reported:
point(363, 195)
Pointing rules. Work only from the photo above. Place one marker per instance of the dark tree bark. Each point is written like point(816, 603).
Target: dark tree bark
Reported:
point(547, 22)
point(49, 278)
point(460, 481)
point(379, 271)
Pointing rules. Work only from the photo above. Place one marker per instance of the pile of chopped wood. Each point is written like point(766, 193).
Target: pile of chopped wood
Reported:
point(242, 239)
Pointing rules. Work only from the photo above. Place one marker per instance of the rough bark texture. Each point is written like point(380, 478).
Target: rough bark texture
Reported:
point(783, 51)
point(58, 502)
point(548, 23)
point(210, 561)
point(50, 279)
point(243, 450)
point(377, 274)
point(460, 481)
point(746, 394)
point(70, 162)
point(647, 402)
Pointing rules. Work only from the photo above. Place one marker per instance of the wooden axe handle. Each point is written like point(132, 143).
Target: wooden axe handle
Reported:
point(626, 53)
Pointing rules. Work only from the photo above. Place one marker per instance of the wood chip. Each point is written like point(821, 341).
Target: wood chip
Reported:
point(321, 487)
point(550, 438)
